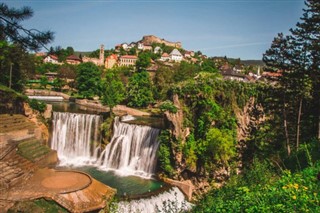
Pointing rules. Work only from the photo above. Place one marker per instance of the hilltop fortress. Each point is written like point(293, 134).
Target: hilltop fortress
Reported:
point(149, 39)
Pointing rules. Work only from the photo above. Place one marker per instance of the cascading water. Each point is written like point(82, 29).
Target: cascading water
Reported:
point(132, 150)
point(76, 138)
point(168, 201)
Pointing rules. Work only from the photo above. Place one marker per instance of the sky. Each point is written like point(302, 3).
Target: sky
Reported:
point(233, 28)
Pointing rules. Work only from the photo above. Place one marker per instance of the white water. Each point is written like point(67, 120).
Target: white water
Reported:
point(132, 150)
point(172, 200)
point(76, 138)
point(47, 98)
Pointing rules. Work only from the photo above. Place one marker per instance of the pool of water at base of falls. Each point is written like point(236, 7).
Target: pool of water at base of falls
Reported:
point(125, 185)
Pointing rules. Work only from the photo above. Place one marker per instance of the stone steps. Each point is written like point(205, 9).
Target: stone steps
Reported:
point(32, 150)
point(15, 122)
point(14, 169)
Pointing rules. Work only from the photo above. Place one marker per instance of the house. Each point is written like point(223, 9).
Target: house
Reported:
point(230, 74)
point(51, 59)
point(128, 60)
point(40, 54)
point(140, 46)
point(176, 56)
point(73, 59)
point(111, 61)
point(157, 50)
point(132, 45)
point(125, 46)
point(187, 54)
point(165, 57)
point(147, 48)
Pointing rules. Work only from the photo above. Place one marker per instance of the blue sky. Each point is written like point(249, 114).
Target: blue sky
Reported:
point(233, 28)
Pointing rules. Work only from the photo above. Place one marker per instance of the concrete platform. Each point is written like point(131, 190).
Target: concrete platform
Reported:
point(75, 191)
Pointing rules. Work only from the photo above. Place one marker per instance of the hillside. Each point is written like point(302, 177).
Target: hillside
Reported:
point(149, 39)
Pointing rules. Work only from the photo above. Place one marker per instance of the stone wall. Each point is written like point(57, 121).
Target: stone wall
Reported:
point(149, 39)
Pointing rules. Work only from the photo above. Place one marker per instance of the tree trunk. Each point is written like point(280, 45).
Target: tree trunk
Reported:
point(298, 124)
point(285, 125)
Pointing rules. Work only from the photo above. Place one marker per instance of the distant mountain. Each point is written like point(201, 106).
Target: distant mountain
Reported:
point(77, 53)
point(252, 62)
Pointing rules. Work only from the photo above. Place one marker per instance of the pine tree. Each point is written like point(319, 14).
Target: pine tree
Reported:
point(298, 56)
point(12, 31)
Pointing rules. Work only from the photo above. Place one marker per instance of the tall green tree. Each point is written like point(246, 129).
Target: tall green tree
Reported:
point(113, 90)
point(139, 90)
point(88, 80)
point(297, 56)
point(144, 61)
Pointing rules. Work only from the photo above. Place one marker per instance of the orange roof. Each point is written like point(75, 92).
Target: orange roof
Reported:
point(53, 57)
point(113, 56)
point(73, 57)
point(165, 55)
point(129, 56)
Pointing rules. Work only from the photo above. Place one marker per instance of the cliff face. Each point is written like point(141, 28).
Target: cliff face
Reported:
point(248, 118)
point(149, 39)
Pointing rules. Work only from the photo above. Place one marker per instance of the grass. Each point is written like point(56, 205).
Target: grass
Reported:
point(32, 150)
point(37, 206)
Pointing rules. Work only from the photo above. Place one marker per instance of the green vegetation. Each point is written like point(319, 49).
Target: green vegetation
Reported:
point(113, 90)
point(168, 106)
point(32, 150)
point(37, 105)
point(259, 190)
point(139, 90)
point(40, 206)
point(88, 80)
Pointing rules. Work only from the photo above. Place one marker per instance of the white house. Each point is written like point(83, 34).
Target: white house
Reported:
point(51, 59)
point(124, 46)
point(157, 50)
point(176, 56)
point(140, 46)
point(165, 57)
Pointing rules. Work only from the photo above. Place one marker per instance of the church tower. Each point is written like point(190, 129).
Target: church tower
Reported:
point(101, 56)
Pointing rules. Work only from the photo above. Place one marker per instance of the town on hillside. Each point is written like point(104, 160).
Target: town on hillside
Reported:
point(160, 52)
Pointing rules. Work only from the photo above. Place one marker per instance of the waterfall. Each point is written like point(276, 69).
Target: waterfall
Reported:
point(168, 201)
point(132, 150)
point(76, 138)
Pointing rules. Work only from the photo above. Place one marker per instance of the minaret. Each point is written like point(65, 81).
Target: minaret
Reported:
point(101, 56)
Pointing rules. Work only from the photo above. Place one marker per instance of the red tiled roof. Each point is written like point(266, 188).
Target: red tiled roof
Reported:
point(165, 55)
point(73, 57)
point(113, 56)
point(129, 56)
point(53, 57)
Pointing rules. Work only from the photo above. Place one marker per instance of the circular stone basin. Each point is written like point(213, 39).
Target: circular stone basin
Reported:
point(66, 181)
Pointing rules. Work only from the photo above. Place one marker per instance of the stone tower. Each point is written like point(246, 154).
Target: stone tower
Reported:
point(101, 56)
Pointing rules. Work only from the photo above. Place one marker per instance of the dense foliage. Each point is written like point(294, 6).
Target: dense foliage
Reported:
point(112, 90)
point(139, 90)
point(88, 80)
point(260, 190)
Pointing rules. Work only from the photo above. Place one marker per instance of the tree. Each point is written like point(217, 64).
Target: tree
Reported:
point(144, 61)
point(12, 31)
point(44, 81)
point(139, 90)
point(88, 79)
point(16, 64)
point(113, 91)
point(297, 56)
point(220, 145)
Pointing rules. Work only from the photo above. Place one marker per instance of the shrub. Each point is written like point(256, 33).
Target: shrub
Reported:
point(37, 105)
point(168, 106)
